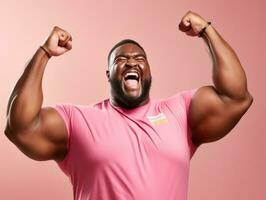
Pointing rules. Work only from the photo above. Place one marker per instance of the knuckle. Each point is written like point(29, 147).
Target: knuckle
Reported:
point(56, 28)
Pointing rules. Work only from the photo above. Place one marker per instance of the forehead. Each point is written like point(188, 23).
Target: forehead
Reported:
point(127, 49)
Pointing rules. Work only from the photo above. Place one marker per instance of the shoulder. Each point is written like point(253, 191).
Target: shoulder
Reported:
point(182, 98)
point(71, 109)
point(71, 106)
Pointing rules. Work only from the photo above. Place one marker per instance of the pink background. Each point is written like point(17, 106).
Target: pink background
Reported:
point(232, 168)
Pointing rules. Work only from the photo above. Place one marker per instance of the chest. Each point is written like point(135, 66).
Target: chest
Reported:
point(121, 140)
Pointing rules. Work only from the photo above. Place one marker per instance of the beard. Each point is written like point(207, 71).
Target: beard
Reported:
point(127, 101)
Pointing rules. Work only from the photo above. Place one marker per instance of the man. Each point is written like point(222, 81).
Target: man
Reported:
point(128, 146)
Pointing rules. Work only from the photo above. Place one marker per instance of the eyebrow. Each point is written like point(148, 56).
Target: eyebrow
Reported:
point(126, 55)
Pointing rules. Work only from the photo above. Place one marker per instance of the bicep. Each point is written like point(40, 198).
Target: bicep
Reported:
point(212, 116)
point(45, 139)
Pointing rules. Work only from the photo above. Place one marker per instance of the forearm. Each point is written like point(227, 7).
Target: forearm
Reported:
point(26, 99)
point(228, 75)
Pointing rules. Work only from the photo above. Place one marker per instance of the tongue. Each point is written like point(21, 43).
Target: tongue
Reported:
point(131, 83)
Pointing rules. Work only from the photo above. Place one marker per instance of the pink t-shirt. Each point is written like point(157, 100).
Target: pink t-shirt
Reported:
point(138, 154)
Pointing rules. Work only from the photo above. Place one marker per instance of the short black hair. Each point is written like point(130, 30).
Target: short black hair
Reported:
point(122, 42)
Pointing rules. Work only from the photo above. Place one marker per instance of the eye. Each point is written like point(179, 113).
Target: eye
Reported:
point(120, 59)
point(140, 59)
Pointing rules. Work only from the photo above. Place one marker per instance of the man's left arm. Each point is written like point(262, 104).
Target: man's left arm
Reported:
point(215, 110)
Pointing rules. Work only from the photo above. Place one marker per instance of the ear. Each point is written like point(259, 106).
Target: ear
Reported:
point(108, 75)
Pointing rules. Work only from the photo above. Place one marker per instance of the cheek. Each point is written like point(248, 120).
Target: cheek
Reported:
point(116, 72)
point(145, 67)
point(147, 72)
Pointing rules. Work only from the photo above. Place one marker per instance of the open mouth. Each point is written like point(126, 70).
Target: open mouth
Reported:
point(131, 76)
point(132, 79)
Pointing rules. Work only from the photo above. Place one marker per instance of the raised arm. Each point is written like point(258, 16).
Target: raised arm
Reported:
point(38, 132)
point(216, 109)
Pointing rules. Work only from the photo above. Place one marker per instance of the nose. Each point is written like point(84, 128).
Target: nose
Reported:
point(131, 62)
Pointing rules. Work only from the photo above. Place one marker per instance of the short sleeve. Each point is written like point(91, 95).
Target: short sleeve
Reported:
point(179, 105)
point(187, 97)
point(65, 111)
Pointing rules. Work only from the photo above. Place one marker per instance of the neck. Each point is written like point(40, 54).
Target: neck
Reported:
point(127, 105)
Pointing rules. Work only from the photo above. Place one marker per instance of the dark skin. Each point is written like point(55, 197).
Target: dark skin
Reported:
point(217, 108)
point(128, 58)
point(40, 132)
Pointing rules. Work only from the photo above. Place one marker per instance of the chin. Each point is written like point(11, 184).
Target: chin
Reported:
point(133, 94)
point(131, 98)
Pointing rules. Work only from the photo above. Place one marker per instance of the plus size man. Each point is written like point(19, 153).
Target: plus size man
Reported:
point(128, 146)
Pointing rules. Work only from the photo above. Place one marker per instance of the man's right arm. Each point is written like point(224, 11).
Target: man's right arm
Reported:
point(38, 132)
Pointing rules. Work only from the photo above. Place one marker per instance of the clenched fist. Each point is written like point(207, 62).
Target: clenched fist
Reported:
point(58, 42)
point(192, 24)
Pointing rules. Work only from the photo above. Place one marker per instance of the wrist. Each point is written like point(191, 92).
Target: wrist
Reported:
point(45, 50)
point(204, 29)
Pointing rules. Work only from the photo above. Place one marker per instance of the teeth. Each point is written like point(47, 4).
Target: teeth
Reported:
point(131, 74)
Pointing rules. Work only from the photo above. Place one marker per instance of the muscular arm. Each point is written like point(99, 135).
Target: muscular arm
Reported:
point(228, 75)
point(38, 132)
point(26, 99)
point(216, 109)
